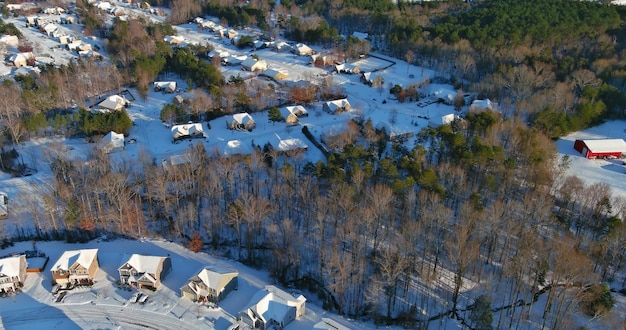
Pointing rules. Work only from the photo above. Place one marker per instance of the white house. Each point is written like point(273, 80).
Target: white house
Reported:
point(479, 106)
point(174, 40)
point(302, 50)
point(113, 103)
point(9, 40)
point(251, 64)
point(235, 147)
point(336, 106)
point(112, 142)
point(143, 271)
point(20, 59)
point(444, 95)
point(287, 145)
point(12, 273)
point(75, 266)
point(276, 74)
point(447, 119)
point(187, 131)
point(165, 86)
point(242, 121)
point(272, 307)
point(211, 284)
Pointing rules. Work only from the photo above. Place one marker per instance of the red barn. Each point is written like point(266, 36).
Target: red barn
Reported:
point(601, 148)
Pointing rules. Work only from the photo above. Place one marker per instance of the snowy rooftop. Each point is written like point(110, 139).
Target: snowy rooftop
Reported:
point(144, 264)
point(82, 257)
point(10, 266)
point(606, 145)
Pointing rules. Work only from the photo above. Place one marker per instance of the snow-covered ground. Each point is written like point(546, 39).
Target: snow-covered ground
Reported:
point(609, 171)
point(106, 306)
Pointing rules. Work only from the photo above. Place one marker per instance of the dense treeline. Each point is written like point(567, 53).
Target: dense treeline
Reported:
point(495, 23)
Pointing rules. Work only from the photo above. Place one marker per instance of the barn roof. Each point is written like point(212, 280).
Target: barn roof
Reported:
point(606, 145)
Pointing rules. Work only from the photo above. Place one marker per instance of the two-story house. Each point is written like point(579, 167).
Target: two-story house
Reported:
point(144, 272)
point(12, 273)
point(76, 266)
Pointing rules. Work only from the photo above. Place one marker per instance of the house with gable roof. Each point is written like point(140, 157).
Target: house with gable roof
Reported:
point(211, 284)
point(113, 103)
point(12, 273)
point(251, 64)
point(112, 142)
point(144, 272)
point(273, 307)
point(187, 131)
point(336, 106)
point(75, 266)
point(242, 121)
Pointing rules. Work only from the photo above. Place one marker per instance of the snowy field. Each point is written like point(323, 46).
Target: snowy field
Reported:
point(609, 171)
point(106, 306)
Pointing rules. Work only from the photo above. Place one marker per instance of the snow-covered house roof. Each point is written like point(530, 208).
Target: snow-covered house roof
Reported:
point(444, 94)
point(220, 53)
point(215, 277)
point(302, 49)
point(103, 5)
point(436, 121)
point(336, 106)
point(284, 145)
point(478, 106)
point(174, 40)
point(12, 266)
point(112, 142)
point(276, 74)
point(145, 264)
point(396, 131)
point(235, 147)
point(297, 110)
point(274, 305)
point(190, 130)
point(243, 118)
point(113, 103)
point(346, 68)
point(234, 59)
point(20, 59)
point(251, 64)
point(9, 40)
point(606, 145)
point(165, 86)
point(280, 46)
point(83, 258)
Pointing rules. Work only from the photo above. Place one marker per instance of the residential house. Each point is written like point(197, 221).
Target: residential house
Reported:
point(53, 11)
point(232, 34)
point(165, 86)
point(65, 39)
point(346, 68)
point(272, 307)
point(372, 79)
point(322, 60)
point(440, 120)
point(444, 95)
point(31, 20)
point(212, 284)
point(78, 45)
point(360, 35)
point(281, 46)
point(236, 147)
point(9, 40)
point(292, 145)
point(298, 110)
point(187, 131)
point(175, 160)
point(117, 11)
point(174, 40)
point(112, 142)
point(251, 64)
point(144, 272)
point(233, 60)
point(242, 121)
point(336, 106)
point(396, 132)
point(276, 74)
point(49, 28)
point(21, 59)
point(12, 273)
point(292, 114)
point(67, 19)
point(302, 50)
point(113, 103)
point(76, 266)
point(479, 106)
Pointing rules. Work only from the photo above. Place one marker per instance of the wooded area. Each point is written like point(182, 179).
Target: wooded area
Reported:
point(378, 231)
